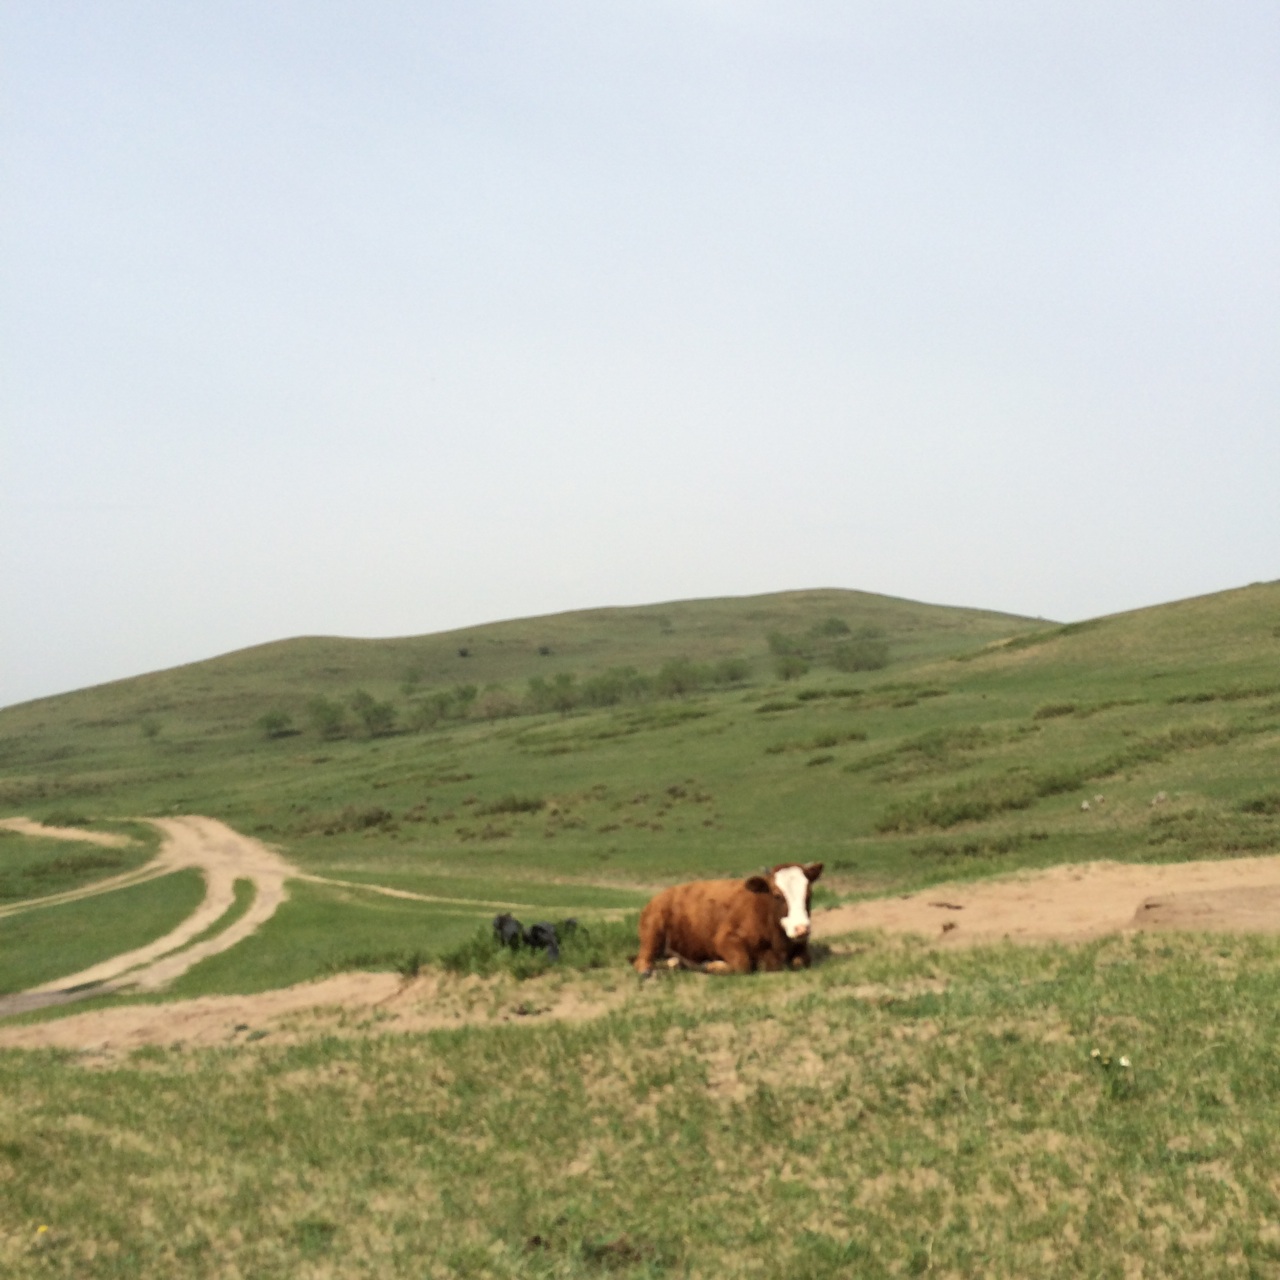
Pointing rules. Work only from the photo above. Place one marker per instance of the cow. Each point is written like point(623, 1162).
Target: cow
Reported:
point(731, 926)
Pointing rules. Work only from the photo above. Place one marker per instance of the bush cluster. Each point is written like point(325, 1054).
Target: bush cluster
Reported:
point(364, 715)
point(832, 643)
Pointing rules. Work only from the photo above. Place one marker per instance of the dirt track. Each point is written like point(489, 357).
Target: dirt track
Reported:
point(1064, 904)
point(223, 856)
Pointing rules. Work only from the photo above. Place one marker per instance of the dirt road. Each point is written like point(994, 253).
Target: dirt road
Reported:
point(223, 856)
point(1063, 904)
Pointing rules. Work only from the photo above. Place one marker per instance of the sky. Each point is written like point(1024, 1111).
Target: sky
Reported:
point(386, 318)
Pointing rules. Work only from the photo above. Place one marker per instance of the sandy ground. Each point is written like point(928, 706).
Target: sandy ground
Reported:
point(1065, 904)
point(27, 827)
point(349, 1004)
point(1077, 902)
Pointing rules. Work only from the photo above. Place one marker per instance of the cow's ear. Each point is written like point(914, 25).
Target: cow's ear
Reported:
point(813, 871)
point(757, 884)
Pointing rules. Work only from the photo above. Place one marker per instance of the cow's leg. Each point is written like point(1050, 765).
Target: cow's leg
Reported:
point(735, 956)
point(652, 943)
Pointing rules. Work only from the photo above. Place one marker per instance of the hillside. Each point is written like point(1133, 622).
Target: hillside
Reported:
point(229, 692)
point(981, 747)
point(911, 1106)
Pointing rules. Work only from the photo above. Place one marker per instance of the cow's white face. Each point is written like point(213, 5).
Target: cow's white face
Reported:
point(794, 885)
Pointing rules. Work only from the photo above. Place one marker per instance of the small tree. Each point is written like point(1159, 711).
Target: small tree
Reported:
point(379, 718)
point(679, 676)
point(790, 666)
point(275, 724)
point(327, 717)
point(863, 653)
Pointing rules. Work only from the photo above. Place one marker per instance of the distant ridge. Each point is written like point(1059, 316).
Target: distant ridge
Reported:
point(584, 639)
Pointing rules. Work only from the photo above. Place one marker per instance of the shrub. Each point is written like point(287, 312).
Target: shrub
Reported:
point(731, 671)
point(514, 804)
point(495, 703)
point(790, 666)
point(442, 704)
point(327, 717)
point(1268, 803)
point(276, 724)
point(781, 644)
point(1050, 710)
point(560, 693)
point(428, 711)
point(378, 718)
point(680, 676)
point(829, 629)
point(618, 684)
point(863, 653)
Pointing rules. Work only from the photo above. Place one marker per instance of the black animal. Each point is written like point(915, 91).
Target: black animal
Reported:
point(542, 935)
point(507, 930)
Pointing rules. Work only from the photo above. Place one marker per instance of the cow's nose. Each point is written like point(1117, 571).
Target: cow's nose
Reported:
point(801, 931)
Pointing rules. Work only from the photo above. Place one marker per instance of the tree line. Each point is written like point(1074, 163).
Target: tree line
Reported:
point(830, 643)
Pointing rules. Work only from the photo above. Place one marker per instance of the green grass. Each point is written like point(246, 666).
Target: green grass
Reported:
point(969, 755)
point(899, 1111)
point(53, 942)
point(322, 930)
point(895, 1111)
point(39, 866)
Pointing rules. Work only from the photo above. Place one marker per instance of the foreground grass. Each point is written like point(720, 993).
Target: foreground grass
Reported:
point(894, 1112)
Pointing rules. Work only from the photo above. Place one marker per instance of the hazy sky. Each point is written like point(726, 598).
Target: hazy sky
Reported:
point(381, 318)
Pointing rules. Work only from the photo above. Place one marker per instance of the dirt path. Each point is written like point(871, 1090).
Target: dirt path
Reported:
point(107, 839)
point(1064, 904)
point(26, 827)
point(223, 856)
point(1077, 902)
point(603, 913)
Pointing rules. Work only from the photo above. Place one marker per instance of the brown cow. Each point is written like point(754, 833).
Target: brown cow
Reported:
point(731, 926)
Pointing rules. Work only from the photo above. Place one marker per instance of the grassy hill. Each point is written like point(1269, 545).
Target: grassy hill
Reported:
point(971, 752)
point(901, 1109)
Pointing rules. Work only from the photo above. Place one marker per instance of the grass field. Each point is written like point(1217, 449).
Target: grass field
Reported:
point(969, 754)
point(49, 943)
point(897, 1111)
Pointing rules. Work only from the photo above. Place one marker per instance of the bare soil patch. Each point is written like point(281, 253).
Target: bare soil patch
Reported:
point(1077, 902)
point(345, 1005)
point(1065, 904)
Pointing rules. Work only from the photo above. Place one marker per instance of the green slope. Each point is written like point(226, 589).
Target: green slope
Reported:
point(971, 753)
